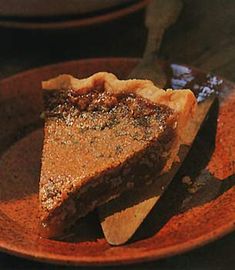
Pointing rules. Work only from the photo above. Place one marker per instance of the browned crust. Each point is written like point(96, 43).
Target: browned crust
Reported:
point(182, 101)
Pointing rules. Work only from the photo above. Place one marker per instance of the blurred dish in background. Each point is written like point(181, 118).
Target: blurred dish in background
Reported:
point(35, 14)
point(46, 8)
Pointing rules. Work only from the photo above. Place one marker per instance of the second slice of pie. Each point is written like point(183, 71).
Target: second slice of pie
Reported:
point(103, 136)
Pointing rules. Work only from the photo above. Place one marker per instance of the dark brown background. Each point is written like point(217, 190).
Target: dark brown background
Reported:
point(204, 36)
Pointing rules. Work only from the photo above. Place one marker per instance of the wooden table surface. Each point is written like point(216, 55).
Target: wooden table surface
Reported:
point(204, 36)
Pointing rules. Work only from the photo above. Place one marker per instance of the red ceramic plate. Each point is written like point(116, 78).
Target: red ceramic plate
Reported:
point(190, 214)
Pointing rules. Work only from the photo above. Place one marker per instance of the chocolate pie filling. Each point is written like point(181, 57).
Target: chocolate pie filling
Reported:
point(96, 146)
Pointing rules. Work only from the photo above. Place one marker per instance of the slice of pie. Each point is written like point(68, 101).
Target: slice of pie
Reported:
point(104, 136)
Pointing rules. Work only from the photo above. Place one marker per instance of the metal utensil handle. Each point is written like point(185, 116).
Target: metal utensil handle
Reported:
point(160, 15)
